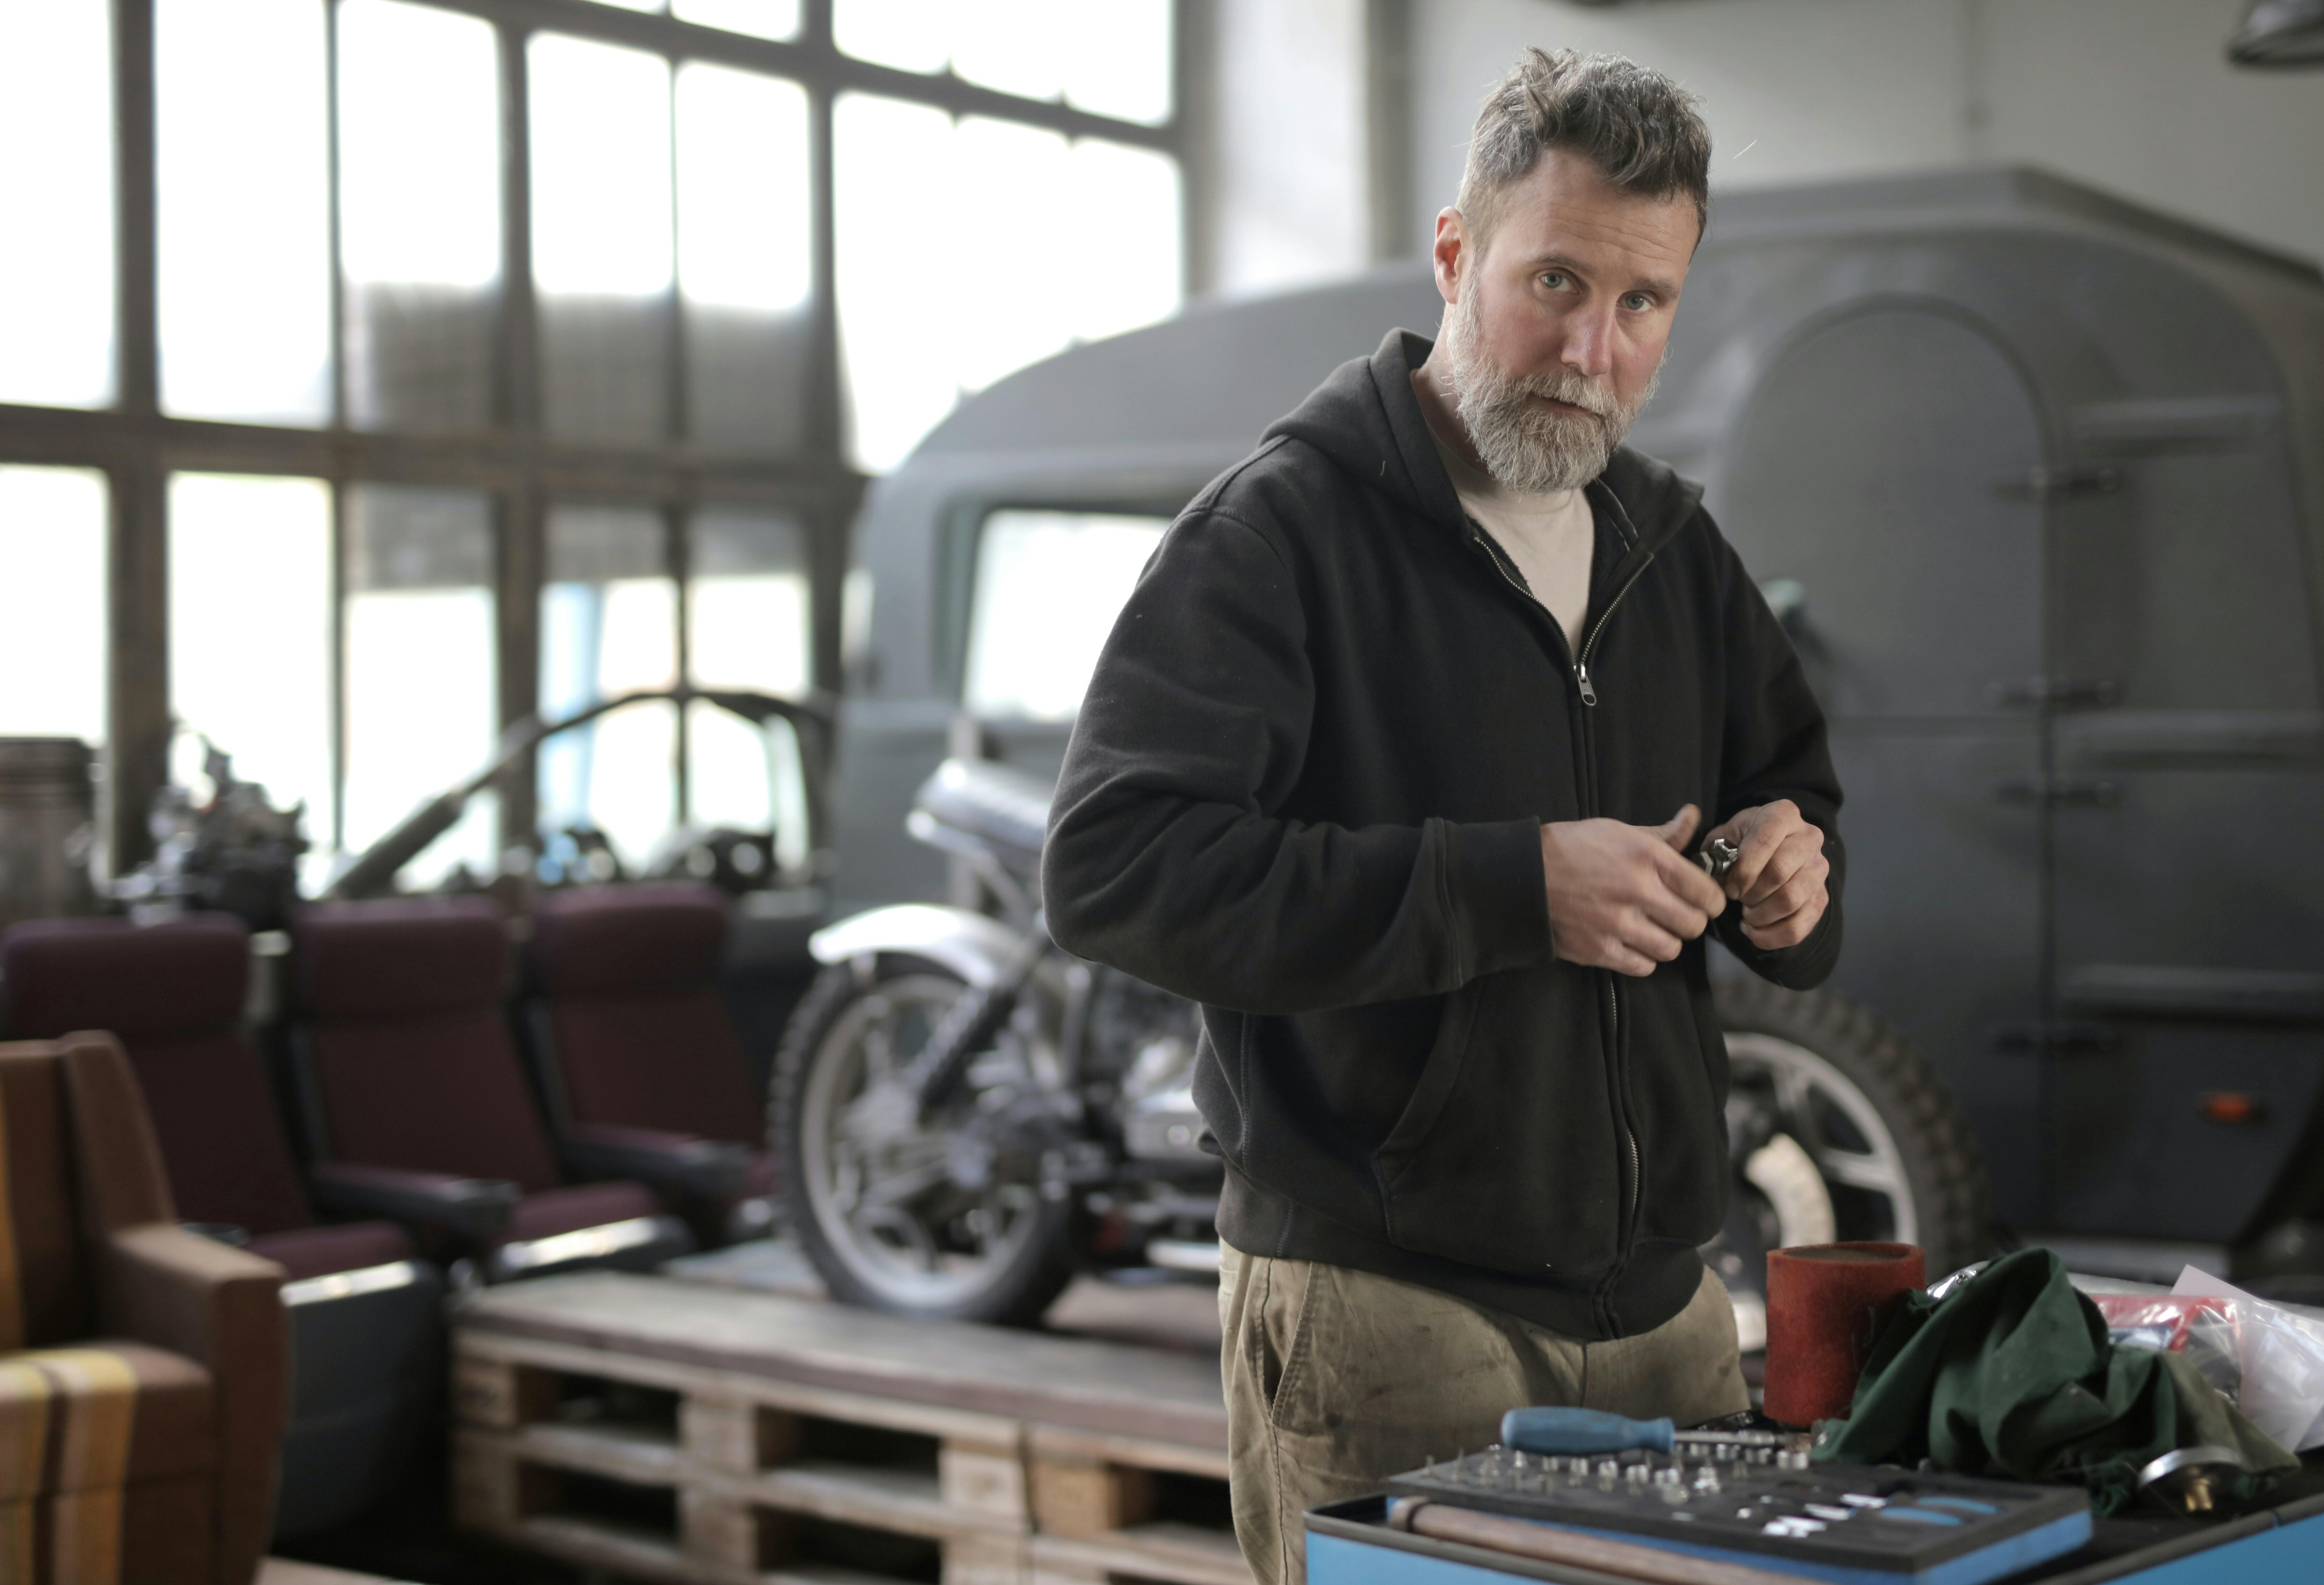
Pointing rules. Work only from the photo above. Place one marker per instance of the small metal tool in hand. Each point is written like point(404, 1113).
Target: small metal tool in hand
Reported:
point(1717, 857)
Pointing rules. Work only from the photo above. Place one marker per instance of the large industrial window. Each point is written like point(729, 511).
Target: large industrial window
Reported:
point(421, 366)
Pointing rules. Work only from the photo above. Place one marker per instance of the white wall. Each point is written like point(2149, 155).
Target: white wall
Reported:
point(2133, 95)
point(2136, 97)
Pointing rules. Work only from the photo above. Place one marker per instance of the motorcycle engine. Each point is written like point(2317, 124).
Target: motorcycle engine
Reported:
point(1143, 1039)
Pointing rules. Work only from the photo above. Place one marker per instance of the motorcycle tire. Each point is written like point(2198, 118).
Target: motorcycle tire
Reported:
point(1015, 1291)
point(1854, 1061)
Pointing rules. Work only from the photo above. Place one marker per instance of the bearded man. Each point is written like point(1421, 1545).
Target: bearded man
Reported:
point(1393, 762)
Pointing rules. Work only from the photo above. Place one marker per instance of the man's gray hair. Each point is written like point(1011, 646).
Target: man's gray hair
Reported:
point(1636, 126)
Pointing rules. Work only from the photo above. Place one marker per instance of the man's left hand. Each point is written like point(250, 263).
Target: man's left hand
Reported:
point(1778, 875)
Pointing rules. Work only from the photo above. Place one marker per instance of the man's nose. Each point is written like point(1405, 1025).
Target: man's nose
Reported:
point(1589, 343)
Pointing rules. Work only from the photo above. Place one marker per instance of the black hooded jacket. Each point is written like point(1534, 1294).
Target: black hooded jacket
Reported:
point(1306, 789)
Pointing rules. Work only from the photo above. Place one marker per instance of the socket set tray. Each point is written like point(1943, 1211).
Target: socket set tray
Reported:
point(1742, 1504)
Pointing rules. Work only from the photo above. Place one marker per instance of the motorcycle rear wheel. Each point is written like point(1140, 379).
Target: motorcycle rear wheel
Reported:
point(872, 1194)
point(1868, 1143)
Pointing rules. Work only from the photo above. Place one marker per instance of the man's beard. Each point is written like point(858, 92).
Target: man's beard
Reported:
point(1525, 445)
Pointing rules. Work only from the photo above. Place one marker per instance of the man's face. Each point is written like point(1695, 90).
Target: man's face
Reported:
point(1554, 335)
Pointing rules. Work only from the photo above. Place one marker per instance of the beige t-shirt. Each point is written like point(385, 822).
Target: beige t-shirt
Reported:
point(1550, 537)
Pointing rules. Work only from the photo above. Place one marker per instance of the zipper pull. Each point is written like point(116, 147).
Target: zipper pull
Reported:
point(1582, 675)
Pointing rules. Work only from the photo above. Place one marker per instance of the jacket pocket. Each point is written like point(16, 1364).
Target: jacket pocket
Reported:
point(1440, 1072)
point(1506, 1157)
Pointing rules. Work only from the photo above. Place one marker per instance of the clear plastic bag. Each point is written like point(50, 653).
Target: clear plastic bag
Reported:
point(2201, 1328)
point(2281, 1352)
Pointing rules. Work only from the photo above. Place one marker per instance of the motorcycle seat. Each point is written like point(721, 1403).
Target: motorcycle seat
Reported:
point(997, 804)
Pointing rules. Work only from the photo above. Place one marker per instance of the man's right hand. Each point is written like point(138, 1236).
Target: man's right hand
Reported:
point(1625, 898)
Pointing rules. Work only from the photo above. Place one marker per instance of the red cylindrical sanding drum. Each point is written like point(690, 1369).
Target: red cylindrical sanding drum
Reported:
point(1820, 1303)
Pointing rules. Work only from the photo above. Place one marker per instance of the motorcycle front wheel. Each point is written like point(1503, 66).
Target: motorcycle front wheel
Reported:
point(897, 1215)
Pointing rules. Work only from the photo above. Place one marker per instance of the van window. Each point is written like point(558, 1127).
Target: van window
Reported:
point(1048, 586)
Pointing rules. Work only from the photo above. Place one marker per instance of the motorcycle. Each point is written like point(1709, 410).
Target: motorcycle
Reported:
point(965, 1114)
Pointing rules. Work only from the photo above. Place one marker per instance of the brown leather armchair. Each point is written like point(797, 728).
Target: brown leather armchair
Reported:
point(144, 1369)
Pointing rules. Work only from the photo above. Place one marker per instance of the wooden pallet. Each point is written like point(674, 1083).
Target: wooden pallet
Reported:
point(667, 1431)
point(1113, 1509)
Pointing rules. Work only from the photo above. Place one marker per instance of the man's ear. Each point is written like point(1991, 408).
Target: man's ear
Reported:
point(1451, 253)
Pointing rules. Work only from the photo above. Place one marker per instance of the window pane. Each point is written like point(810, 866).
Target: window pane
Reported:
point(1118, 59)
point(912, 338)
point(892, 184)
point(242, 209)
point(609, 625)
point(52, 602)
point(747, 621)
point(728, 769)
point(748, 626)
point(748, 778)
point(762, 19)
point(1126, 208)
point(602, 237)
point(420, 690)
point(56, 169)
point(1112, 59)
point(911, 35)
point(419, 212)
point(1007, 312)
point(250, 632)
point(1048, 587)
point(1017, 46)
point(745, 256)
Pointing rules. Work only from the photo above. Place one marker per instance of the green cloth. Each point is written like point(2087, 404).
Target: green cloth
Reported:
point(2012, 1374)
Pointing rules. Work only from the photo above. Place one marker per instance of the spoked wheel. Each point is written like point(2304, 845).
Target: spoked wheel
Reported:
point(1839, 1131)
point(924, 1219)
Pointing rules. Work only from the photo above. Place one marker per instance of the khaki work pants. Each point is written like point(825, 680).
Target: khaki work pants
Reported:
point(1336, 1379)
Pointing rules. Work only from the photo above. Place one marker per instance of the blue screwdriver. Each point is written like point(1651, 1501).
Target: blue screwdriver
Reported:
point(1594, 1430)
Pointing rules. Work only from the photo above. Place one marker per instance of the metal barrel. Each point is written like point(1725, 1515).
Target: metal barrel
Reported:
point(48, 824)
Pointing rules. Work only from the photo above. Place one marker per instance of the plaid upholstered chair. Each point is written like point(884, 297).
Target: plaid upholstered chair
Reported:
point(144, 1369)
point(637, 1057)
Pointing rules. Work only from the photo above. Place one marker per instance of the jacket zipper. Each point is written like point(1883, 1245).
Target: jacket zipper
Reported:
point(1589, 693)
point(1589, 638)
point(1614, 986)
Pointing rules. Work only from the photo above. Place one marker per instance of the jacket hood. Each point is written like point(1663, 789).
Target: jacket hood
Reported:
point(1366, 419)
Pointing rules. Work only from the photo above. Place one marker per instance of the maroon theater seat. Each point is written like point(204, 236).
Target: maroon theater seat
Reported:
point(174, 994)
point(366, 1334)
point(639, 1062)
point(413, 1085)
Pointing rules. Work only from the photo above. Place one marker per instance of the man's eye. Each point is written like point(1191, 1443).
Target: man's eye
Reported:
point(1637, 302)
point(1555, 280)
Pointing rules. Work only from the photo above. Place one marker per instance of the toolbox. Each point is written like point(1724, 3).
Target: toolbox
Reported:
point(1850, 1524)
point(1798, 1523)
